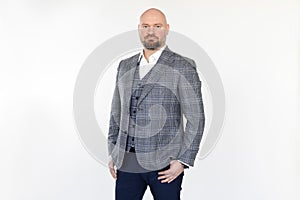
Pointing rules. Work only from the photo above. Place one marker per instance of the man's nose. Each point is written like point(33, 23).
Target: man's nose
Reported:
point(150, 30)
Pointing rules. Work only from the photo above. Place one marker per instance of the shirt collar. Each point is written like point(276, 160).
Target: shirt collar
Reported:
point(153, 58)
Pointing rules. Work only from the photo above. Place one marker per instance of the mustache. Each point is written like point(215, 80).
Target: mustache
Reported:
point(151, 36)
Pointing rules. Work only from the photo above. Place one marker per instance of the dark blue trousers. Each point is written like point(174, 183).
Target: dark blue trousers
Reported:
point(132, 186)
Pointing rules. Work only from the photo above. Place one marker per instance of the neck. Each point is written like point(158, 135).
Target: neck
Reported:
point(148, 53)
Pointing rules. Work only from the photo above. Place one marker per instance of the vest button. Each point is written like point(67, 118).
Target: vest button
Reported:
point(136, 97)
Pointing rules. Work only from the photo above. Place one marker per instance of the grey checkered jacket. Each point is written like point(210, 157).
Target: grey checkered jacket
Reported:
point(173, 89)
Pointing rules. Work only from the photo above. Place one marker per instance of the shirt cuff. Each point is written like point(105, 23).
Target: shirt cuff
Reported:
point(184, 164)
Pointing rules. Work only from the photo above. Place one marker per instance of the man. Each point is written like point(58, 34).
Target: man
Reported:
point(147, 141)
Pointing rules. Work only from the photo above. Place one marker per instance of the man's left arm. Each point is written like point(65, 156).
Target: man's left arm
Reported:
point(190, 96)
point(191, 102)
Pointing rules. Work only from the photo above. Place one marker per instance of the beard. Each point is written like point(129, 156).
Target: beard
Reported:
point(151, 44)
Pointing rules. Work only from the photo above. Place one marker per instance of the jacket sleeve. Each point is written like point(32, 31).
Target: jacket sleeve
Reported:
point(191, 103)
point(115, 113)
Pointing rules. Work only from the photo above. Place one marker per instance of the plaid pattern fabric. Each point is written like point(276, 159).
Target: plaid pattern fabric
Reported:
point(172, 89)
point(137, 89)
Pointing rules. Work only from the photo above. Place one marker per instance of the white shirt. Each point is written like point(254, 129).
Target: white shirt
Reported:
point(146, 66)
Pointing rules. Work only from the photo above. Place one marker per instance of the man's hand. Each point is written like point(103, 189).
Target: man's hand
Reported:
point(176, 168)
point(112, 170)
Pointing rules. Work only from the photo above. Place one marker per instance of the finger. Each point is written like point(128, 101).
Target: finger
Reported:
point(174, 177)
point(163, 177)
point(171, 180)
point(167, 180)
point(113, 173)
point(164, 172)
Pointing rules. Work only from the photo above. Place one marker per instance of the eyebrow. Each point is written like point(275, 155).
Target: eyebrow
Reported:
point(154, 24)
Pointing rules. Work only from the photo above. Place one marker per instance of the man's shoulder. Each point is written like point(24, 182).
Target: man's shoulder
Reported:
point(128, 62)
point(133, 58)
point(180, 60)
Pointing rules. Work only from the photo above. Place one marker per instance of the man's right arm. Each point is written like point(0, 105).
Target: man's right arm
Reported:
point(114, 122)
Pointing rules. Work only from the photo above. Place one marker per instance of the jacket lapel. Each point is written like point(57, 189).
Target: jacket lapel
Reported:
point(126, 81)
point(158, 70)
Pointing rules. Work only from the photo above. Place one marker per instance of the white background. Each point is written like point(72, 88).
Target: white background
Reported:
point(254, 45)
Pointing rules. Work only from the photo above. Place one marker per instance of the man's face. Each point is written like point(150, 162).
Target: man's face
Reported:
point(153, 30)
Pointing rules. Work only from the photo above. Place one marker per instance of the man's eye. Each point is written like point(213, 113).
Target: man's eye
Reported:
point(145, 26)
point(158, 27)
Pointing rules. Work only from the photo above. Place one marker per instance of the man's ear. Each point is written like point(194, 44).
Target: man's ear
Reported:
point(168, 28)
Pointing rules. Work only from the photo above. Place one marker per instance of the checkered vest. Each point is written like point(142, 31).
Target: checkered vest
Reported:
point(137, 88)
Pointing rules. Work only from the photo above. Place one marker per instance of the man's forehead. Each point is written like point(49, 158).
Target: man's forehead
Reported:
point(152, 20)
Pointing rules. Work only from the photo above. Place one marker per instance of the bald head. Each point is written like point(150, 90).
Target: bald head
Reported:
point(153, 13)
